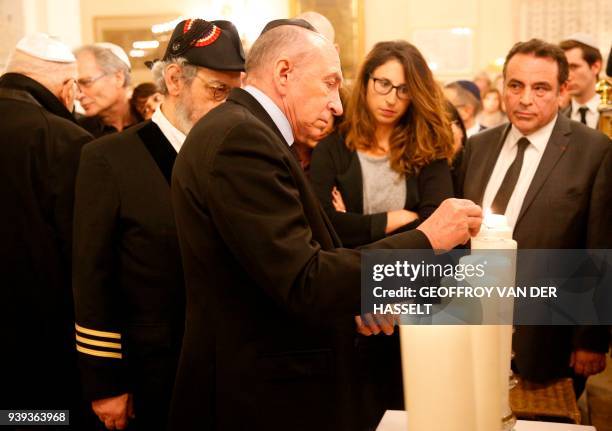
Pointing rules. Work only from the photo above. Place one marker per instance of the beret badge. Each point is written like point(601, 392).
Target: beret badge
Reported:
point(196, 32)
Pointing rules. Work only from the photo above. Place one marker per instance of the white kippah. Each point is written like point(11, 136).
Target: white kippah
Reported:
point(584, 38)
point(117, 50)
point(45, 47)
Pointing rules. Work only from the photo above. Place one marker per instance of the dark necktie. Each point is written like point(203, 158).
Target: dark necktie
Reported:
point(512, 174)
point(582, 111)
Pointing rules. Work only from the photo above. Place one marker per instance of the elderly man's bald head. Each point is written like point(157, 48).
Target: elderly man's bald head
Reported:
point(286, 41)
point(299, 70)
point(57, 77)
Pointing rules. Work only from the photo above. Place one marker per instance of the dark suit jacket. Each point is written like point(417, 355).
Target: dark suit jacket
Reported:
point(333, 164)
point(568, 205)
point(39, 157)
point(127, 275)
point(567, 111)
point(378, 368)
point(270, 294)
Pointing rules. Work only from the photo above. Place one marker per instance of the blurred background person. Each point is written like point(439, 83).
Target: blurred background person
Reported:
point(321, 24)
point(39, 156)
point(104, 93)
point(585, 63)
point(565, 100)
point(483, 82)
point(491, 114)
point(385, 171)
point(145, 100)
point(465, 97)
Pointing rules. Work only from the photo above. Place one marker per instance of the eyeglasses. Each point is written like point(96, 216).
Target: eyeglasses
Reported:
point(88, 82)
point(384, 87)
point(219, 92)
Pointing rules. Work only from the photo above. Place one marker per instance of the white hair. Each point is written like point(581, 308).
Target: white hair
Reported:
point(295, 42)
point(107, 60)
point(50, 74)
point(189, 72)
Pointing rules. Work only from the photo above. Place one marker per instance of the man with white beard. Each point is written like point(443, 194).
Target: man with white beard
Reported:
point(128, 279)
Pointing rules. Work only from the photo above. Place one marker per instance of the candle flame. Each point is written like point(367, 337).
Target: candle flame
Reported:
point(492, 221)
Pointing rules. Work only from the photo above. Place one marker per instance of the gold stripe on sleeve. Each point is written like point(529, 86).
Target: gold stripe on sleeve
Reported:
point(88, 331)
point(99, 352)
point(97, 342)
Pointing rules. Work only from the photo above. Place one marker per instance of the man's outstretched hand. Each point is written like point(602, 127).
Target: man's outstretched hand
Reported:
point(453, 223)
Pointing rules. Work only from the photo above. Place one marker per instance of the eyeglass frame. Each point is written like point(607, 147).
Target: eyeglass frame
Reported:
point(88, 82)
point(224, 89)
point(392, 87)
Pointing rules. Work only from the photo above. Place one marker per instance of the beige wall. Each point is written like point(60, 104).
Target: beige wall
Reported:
point(250, 15)
point(384, 19)
point(490, 20)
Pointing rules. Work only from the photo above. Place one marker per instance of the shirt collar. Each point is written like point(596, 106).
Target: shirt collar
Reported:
point(592, 104)
point(539, 139)
point(172, 134)
point(280, 120)
point(474, 129)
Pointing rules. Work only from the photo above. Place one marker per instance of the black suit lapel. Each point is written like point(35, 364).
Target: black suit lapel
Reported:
point(557, 144)
point(159, 147)
point(245, 99)
point(489, 163)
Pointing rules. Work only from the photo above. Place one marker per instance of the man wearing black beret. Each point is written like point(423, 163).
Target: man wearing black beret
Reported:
point(128, 279)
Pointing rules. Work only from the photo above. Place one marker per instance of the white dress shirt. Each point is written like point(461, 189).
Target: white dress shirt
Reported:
point(592, 115)
point(533, 154)
point(472, 130)
point(273, 111)
point(172, 134)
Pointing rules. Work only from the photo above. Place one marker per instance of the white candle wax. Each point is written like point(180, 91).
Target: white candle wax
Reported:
point(487, 383)
point(438, 378)
point(496, 234)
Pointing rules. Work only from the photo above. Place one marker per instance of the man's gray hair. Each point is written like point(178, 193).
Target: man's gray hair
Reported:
point(283, 39)
point(189, 71)
point(50, 74)
point(107, 61)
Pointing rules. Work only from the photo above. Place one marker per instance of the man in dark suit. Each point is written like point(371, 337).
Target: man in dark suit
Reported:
point(552, 178)
point(128, 281)
point(271, 294)
point(39, 157)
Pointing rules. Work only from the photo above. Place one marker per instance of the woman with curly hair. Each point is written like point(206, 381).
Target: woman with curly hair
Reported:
point(385, 170)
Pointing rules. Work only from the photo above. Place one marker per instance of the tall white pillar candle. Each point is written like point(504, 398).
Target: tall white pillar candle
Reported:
point(438, 378)
point(496, 234)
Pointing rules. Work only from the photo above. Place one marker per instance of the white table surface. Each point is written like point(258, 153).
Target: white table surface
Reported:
point(396, 420)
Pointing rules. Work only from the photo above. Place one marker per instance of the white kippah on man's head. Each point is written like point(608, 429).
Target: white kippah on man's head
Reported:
point(117, 51)
point(45, 47)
